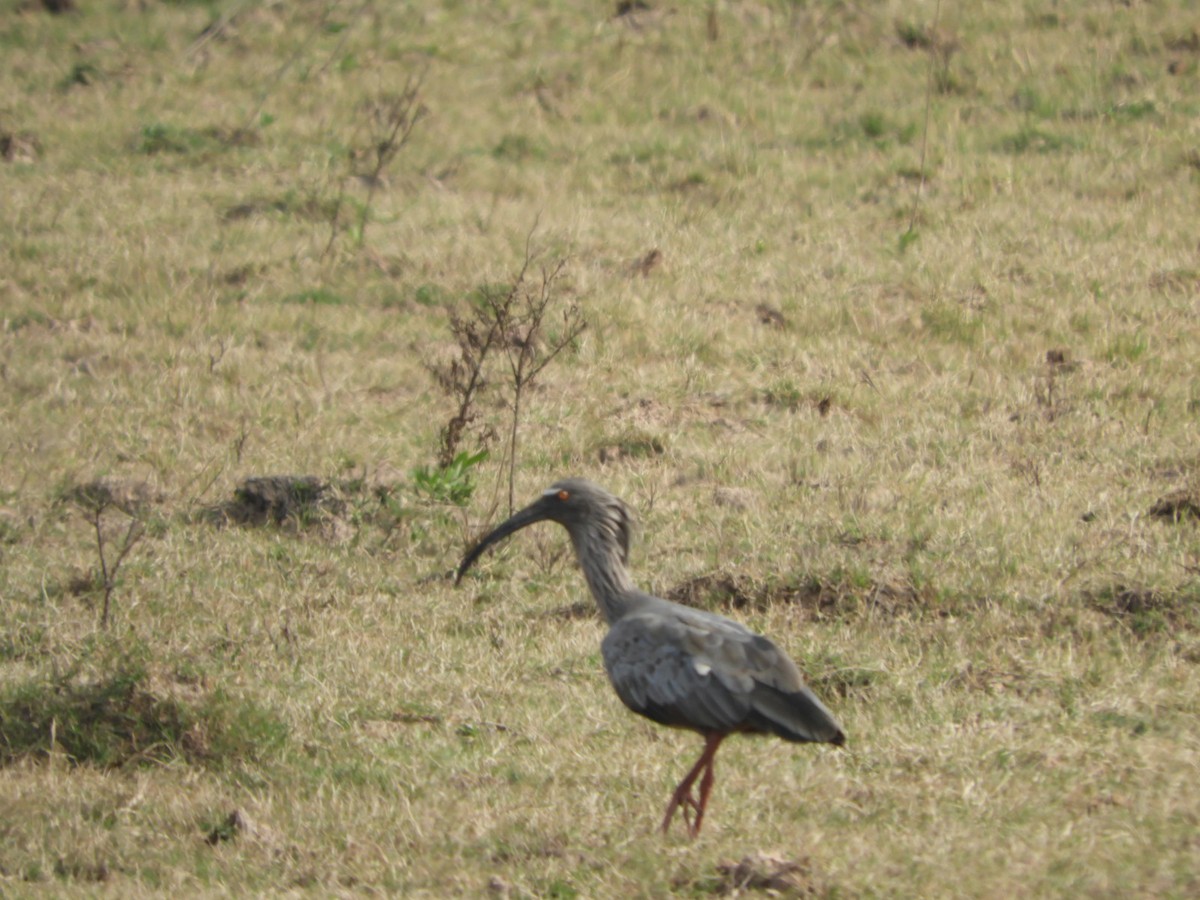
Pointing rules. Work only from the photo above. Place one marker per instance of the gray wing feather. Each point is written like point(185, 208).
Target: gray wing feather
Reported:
point(656, 670)
point(692, 669)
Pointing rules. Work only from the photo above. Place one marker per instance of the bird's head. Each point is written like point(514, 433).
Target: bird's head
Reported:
point(594, 517)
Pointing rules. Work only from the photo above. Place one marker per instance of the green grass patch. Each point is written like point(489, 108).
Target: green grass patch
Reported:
point(952, 323)
point(431, 295)
point(518, 148)
point(315, 297)
point(158, 137)
point(1031, 139)
point(1129, 347)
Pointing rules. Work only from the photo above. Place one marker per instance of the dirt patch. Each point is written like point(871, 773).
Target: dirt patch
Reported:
point(770, 316)
point(714, 589)
point(584, 609)
point(298, 503)
point(819, 596)
point(770, 874)
point(278, 498)
point(23, 147)
point(633, 445)
point(1148, 611)
point(307, 505)
point(1180, 504)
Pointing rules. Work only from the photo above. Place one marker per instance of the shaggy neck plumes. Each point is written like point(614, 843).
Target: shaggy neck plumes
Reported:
point(603, 566)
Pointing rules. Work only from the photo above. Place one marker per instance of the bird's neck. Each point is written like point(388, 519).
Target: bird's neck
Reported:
point(607, 576)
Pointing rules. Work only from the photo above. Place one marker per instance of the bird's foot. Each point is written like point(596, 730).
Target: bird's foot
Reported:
point(689, 808)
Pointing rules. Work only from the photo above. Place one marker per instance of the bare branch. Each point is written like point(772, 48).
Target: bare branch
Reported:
point(390, 120)
point(513, 319)
point(94, 502)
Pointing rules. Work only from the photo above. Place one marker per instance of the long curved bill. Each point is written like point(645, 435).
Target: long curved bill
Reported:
point(534, 512)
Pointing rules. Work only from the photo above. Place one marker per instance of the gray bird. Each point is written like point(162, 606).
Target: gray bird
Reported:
point(679, 666)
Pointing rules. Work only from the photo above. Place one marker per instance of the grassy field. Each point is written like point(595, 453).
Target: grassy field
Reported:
point(892, 325)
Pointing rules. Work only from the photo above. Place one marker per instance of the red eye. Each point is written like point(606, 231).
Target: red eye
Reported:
point(562, 495)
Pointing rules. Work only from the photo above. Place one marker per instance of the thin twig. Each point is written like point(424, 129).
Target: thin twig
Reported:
point(108, 573)
point(404, 111)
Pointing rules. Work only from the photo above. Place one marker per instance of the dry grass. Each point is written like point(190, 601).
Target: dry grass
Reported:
point(928, 467)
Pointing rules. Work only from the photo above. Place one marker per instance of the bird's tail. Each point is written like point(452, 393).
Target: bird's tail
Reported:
point(795, 715)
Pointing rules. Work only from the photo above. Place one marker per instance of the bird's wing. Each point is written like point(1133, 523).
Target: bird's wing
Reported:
point(659, 669)
point(690, 669)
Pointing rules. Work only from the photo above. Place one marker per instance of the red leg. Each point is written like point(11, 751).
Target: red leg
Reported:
point(706, 784)
point(682, 798)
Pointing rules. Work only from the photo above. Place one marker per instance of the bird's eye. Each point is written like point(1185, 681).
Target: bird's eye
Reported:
point(563, 495)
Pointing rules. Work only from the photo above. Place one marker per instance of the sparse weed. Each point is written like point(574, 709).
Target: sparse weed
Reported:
point(454, 483)
point(390, 118)
point(513, 320)
point(95, 500)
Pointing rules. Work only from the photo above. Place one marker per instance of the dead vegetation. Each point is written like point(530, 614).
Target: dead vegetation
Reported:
point(513, 332)
point(772, 875)
point(94, 499)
